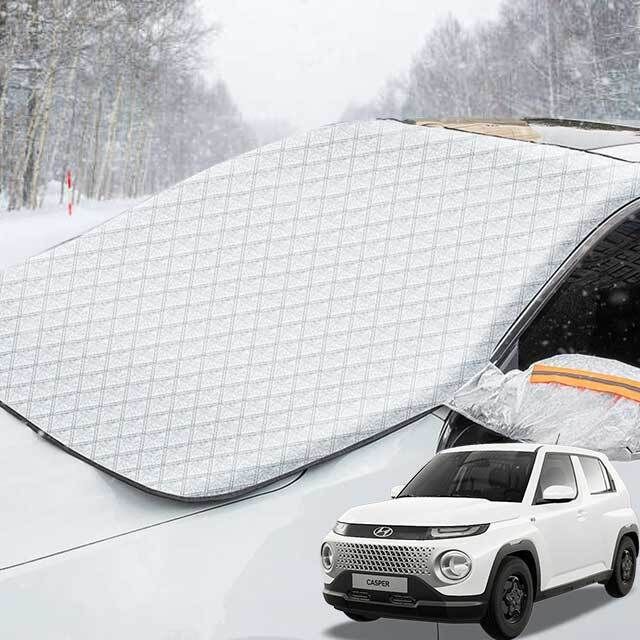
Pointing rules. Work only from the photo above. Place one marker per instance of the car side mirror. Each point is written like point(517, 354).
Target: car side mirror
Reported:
point(396, 490)
point(558, 493)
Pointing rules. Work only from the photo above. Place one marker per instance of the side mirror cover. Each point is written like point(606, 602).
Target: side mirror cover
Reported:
point(558, 493)
point(396, 490)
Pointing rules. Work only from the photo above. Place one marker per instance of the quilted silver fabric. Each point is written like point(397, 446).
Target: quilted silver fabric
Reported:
point(293, 302)
point(549, 413)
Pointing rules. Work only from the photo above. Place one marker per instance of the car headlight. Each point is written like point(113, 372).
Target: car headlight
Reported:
point(340, 528)
point(454, 565)
point(326, 553)
point(458, 532)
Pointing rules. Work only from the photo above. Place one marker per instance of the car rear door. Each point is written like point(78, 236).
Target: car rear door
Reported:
point(563, 539)
point(601, 500)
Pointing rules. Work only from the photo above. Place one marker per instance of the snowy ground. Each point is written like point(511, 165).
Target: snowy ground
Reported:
point(83, 555)
point(27, 233)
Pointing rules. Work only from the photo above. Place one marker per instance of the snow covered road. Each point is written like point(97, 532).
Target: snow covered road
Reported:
point(28, 233)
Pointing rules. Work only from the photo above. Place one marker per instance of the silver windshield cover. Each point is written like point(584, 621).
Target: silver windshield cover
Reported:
point(299, 300)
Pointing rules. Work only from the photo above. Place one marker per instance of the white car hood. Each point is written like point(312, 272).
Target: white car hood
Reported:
point(432, 512)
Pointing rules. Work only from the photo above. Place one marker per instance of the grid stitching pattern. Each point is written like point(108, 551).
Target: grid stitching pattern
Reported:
point(295, 301)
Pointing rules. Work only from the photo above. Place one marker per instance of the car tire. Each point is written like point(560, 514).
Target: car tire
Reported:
point(623, 570)
point(510, 600)
point(360, 617)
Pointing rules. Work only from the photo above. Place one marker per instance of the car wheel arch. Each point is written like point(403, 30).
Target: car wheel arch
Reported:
point(634, 538)
point(630, 531)
point(526, 551)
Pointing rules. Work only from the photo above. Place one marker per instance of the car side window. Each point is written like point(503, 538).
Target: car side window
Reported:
point(598, 478)
point(557, 469)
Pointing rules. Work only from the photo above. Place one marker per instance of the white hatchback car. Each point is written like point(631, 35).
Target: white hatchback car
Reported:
point(480, 534)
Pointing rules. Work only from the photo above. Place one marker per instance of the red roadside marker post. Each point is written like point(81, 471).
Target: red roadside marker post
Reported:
point(68, 183)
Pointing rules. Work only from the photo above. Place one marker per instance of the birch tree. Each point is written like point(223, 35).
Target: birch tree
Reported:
point(93, 87)
point(572, 59)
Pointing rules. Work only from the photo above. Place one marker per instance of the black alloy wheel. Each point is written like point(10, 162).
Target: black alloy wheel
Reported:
point(623, 571)
point(510, 601)
point(514, 598)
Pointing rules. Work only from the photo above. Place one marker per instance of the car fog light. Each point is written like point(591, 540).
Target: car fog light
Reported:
point(326, 554)
point(454, 565)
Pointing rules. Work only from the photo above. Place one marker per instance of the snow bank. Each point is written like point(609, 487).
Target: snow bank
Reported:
point(26, 233)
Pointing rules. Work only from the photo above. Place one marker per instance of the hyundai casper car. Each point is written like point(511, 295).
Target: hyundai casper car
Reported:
point(480, 534)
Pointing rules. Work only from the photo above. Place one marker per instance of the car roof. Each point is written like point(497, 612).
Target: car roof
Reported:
point(529, 446)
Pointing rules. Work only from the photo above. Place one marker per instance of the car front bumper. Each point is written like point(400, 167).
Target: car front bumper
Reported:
point(421, 602)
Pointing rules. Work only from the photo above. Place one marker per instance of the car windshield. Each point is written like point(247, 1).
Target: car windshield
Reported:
point(500, 476)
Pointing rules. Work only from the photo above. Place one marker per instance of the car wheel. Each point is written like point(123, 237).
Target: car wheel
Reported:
point(623, 570)
point(360, 617)
point(510, 601)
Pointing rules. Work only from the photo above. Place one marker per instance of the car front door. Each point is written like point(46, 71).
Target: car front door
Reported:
point(563, 540)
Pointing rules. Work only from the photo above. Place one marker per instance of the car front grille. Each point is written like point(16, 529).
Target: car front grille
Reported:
point(384, 558)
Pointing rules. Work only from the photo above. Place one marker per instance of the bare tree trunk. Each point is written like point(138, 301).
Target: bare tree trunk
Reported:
point(126, 167)
point(69, 97)
point(26, 174)
point(81, 171)
point(36, 154)
point(47, 103)
point(105, 167)
point(147, 157)
point(139, 172)
point(551, 60)
point(4, 91)
point(597, 72)
point(91, 185)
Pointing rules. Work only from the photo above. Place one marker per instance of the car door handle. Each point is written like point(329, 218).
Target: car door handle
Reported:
point(582, 514)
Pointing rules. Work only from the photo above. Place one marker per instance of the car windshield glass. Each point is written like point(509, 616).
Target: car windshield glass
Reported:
point(500, 476)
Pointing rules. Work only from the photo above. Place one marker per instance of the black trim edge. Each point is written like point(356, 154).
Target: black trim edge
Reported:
point(449, 610)
point(630, 528)
point(603, 576)
point(221, 497)
point(405, 532)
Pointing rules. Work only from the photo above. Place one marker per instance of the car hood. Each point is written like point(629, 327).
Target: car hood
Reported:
point(424, 512)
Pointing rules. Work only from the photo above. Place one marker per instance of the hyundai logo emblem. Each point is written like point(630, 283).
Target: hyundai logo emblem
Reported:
point(383, 532)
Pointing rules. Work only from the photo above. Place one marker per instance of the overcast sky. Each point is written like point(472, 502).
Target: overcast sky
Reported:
point(305, 60)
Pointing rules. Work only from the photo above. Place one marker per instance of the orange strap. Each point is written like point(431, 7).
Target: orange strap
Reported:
point(616, 385)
